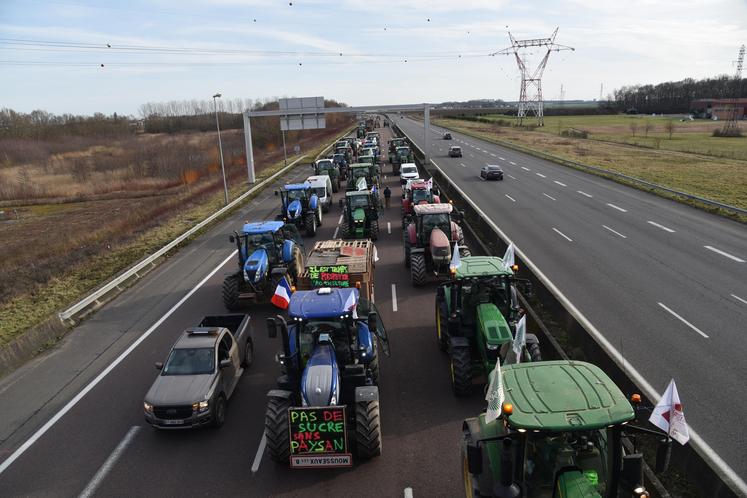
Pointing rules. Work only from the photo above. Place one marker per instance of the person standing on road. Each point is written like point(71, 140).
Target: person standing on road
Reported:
point(387, 195)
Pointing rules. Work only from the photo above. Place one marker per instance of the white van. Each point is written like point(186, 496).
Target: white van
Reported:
point(322, 187)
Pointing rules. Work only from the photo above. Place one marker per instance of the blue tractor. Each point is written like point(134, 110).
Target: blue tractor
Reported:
point(300, 206)
point(268, 251)
point(330, 358)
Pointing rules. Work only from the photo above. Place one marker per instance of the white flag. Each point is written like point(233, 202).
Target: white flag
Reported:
point(669, 417)
point(429, 184)
point(375, 254)
point(508, 258)
point(495, 395)
point(521, 338)
point(456, 261)
point(361, 184)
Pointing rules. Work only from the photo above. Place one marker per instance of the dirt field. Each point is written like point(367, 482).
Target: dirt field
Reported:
point(57, 248)
point(720, 179)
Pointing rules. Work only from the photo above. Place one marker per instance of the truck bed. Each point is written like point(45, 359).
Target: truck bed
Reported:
point(237, 323)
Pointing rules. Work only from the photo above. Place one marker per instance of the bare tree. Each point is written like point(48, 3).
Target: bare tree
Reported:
point(669, 126)
point(633, 128)
point(647, 127)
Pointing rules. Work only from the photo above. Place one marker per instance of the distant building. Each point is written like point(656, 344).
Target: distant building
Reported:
point(721, 108)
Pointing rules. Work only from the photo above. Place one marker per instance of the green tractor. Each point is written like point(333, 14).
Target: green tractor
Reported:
point(361, 215)
point(331, 169)
point(402, 155)
point(476, 316)
point(356, 171)
point(559, 433)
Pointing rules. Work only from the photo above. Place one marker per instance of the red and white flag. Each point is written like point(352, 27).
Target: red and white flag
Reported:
point(669, 417)
point(282, 295)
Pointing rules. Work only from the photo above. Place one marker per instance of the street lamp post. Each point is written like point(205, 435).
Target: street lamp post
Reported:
point(220, 147)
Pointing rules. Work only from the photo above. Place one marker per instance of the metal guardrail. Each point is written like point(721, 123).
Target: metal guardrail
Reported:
point(722, 469)
point(96, 296)
point(602, 171)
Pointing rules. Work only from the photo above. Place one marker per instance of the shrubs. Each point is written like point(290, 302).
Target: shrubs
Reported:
point(731, 133)
point(574, 133)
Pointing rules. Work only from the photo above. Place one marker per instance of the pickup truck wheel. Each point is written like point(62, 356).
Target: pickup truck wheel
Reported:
point(248, 354)
point(276, 429)
point(219, 412)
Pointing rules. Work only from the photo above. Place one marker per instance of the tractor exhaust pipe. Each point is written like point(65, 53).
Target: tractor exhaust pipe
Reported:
point(506, 488)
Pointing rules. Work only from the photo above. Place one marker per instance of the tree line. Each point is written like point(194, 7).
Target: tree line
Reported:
point(675, 96)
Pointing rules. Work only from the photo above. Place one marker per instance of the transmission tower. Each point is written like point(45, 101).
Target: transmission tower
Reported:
point(530, 96)
point(731, 128)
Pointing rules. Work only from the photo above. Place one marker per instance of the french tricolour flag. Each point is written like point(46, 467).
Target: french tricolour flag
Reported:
point(282, 295)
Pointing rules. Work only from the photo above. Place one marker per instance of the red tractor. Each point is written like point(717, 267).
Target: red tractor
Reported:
point(429, 240)
point(418, 193)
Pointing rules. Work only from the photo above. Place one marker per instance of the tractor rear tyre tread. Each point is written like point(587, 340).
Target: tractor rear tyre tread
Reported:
point(417, 269)
point(533, 348)
point(461, 370)
point(464, 252)
point(276, 429)
point(231, 292)
point(367, 429)
point(310, 224)
point(374, 230)
point(442, 326)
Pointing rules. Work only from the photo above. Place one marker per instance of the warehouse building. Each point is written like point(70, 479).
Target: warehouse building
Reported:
point(718, 108)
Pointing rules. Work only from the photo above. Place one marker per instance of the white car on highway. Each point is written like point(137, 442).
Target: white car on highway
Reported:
point(407, 171)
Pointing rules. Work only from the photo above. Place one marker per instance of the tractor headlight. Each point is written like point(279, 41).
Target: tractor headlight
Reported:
point(147, 407)
point(201, 407)
point(492, 347)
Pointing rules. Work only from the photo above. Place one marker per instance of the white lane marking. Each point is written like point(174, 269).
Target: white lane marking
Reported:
point(492, 154)
point(549, 196)
point(696, 329)
point(502, 158)
point(540, 174)
point(337, 229)
point(340, 220)
point(719, 251)
point(70, 404)
point(613, 231)
point(660, 226)
point(471, 155)
point(562, 234)
point(463, 166)
point(511, 198)
point(394, 297)
point(260, 452)
point(108, 465)
point(511, 162)
point(408, 493)
point(738, 298)
point(388, 227)
point(584, 193)
point(525, 168)
point(512, 177)
point(617, 207)
point(560, 183)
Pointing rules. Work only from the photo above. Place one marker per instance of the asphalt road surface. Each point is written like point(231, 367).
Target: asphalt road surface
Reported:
point(101, 445)
point(665, 283)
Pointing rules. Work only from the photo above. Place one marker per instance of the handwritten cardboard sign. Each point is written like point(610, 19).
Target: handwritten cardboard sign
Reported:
point(329, 276)
point(318, 431)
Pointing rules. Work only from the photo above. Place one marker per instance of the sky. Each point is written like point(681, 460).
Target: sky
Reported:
point(358, 52)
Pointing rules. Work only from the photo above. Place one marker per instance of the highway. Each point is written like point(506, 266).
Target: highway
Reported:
point(73, 422)
point(665, 283)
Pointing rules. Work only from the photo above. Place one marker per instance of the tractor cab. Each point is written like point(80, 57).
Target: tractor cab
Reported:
point(417, 193)
point(432, 216)
point(361, 214)
point(357, 171)
point(570, 444)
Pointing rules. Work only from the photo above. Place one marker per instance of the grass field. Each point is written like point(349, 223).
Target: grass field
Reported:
point(719, 179)
point(54, 253)
point(687, 136)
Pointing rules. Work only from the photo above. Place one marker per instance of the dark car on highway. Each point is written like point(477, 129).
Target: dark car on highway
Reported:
point(447, 136)
point(455, 151)
point(491, 172)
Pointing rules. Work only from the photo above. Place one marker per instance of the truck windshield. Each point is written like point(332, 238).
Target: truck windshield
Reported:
point(190, 361)
point(546, 454)
point(409, 169)
point(357, 201)
point(296, 194)
point(419, 195)
point(325, 165)
point(442, 221)
point(320, 192)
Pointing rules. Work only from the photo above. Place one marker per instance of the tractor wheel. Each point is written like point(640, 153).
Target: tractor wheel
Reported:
point(417, 269)
point(374, 365)
point(296, 265)
point(533, 348)
point(344, 231)
point(276, 429)
point(374, 230)
point(367, 429)
point(231, 292)
point(442, 334)
point(461, 370)
point(464, 252)
point(310, 224)
point(336, 186)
